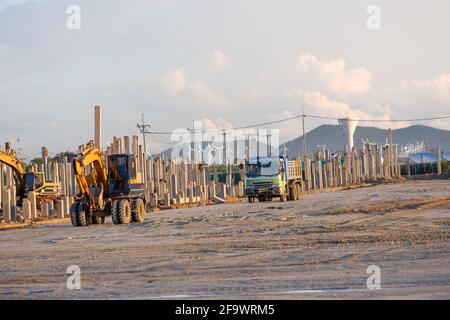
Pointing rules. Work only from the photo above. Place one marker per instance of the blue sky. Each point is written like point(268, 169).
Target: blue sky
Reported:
point(225, 62)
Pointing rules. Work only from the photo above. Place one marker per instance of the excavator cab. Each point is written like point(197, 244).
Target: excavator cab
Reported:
point(122, 176)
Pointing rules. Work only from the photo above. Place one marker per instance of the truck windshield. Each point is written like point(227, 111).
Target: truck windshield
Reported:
point(268, 168)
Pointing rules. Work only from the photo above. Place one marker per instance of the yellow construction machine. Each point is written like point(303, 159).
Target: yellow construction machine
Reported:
point(113, 188)
point(29, 181)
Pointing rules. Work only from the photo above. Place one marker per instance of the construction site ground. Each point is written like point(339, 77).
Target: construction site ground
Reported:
point(314, 248)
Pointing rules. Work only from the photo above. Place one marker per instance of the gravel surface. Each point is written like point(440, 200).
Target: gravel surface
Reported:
point(314, 248)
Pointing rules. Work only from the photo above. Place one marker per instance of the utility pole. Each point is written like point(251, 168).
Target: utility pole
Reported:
point(143, 129)
point(303, 128)
point(257, 145)
point(247, 151)
point(224, 146)
point(194, 144)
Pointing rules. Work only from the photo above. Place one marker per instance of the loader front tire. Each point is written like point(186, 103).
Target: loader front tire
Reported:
point(74, 213)
point(83, 217)
point(137, 210)
point(114, 208)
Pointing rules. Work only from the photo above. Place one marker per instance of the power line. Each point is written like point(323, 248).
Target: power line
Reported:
point(380, 120)
point(314, 117)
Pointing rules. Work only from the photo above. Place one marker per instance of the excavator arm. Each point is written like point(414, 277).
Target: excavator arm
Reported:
point(94, 157)
point(11, 161)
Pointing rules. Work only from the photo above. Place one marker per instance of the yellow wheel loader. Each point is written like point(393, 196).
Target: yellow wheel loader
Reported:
point(115, 189)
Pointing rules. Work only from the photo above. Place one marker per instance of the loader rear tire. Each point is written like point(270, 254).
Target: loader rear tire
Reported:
point(123, 212)
point(137, 210)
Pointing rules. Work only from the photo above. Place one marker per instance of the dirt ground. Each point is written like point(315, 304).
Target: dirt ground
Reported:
point(317, 247)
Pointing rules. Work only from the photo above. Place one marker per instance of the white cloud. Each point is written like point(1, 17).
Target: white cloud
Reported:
point(219, 124)
point(219, 60)
point(335, 75)
point(174, 82)
point(319, 104)
point(437, 88)
point(191, 93)
point(329, 107)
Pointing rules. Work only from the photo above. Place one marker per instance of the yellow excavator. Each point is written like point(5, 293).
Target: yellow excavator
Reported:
point(116, 189)
point(29, 181)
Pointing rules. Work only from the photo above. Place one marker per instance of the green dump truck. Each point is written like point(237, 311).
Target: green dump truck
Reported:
point(273, 177)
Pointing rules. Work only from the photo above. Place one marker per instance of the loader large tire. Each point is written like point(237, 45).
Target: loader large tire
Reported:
point(123, 212)
point(137, 210)
point(114, 207)
point(83, 216)
point(74, 213)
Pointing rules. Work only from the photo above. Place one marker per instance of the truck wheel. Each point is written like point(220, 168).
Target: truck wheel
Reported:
point(137, 210)
point(73, 214)
point(298, 191)
point(114, 206)
point(123, 212)
point(292, 194)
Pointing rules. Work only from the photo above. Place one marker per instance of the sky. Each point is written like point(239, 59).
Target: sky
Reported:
point(224, 62)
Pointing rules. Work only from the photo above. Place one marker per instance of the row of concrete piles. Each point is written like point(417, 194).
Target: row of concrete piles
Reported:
point(369, 164)
point(169, 182)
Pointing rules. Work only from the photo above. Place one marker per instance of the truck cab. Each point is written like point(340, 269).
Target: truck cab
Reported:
point(265, 178)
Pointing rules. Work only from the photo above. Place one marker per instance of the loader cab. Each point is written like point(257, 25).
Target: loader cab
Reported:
point(123, 178)
point(33, 181)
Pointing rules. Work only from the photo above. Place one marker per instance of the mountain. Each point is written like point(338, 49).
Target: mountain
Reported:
point(333, 137)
